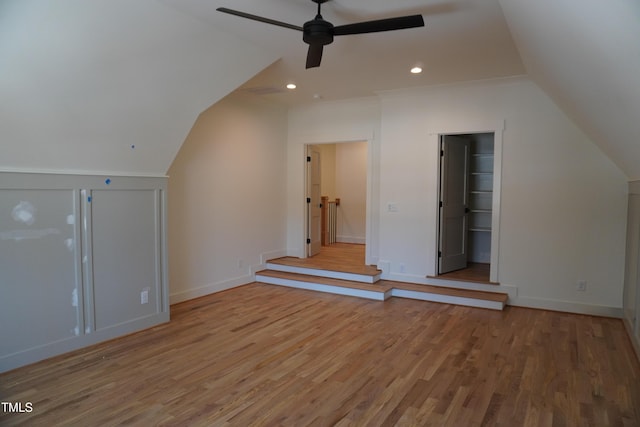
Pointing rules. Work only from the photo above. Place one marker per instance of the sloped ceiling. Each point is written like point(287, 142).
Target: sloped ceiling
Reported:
point(115, 85)
point(109, 85)
point(586, 56)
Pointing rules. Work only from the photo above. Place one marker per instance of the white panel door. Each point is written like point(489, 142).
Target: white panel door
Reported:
point(454, 179)
point(314, 210)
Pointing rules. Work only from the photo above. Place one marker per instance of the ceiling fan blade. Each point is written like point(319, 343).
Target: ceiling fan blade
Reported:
point(388, 24)
point(314, 55)
point(258, 18)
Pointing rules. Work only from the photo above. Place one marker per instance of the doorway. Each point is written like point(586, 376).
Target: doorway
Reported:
point(466, 200)
point(337, 170)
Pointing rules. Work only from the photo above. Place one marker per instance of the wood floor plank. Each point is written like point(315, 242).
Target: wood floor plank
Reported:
point(343, 257)
point(474, 272)
point(267, 355)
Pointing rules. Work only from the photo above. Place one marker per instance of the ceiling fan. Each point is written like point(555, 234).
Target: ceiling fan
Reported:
point(317, 33)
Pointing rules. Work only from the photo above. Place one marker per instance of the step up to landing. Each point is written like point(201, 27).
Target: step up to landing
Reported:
point(365, 274)
point(324, 284)
point(384, 289)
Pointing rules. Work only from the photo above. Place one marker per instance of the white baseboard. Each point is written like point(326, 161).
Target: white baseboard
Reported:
point(296, 252)
point(351, 239)
point(566, 306)
point(514, 299)
point(223, 285)
point(212, 288)
point(400, 277)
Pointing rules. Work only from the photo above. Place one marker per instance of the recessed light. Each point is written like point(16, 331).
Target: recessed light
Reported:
point(416, 70)
point(291, 86)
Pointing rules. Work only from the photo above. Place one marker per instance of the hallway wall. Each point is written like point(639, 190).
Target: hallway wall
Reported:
point(351, 187)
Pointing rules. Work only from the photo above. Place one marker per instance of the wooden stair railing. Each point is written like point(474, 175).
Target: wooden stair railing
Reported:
point(329, 219)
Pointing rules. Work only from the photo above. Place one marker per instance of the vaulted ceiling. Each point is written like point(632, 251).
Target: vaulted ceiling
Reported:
point(115, 85)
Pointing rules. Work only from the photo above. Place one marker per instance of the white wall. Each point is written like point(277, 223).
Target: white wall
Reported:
point(327, 170)
point(328, 122)
point(227, 197)
point(351, 187)
point(109, 86)
point(588, 61)
point(563, 202)
point(563, 207)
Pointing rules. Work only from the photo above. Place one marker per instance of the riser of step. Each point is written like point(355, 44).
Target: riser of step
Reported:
point(321, 287)
point(448, 299)
point(354, 277)
point(341, 287)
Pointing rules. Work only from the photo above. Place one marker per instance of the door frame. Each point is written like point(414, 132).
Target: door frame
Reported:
point(370, 217)
point(497, 128)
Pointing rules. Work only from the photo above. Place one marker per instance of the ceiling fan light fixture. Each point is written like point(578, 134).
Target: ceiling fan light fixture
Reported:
point(416, 70)
point(318, 33)
point(291, 86)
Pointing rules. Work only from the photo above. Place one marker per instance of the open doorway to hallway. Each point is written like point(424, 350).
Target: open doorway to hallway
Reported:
point(337, 171)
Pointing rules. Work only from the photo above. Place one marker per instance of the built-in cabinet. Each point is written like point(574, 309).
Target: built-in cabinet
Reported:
point(82, 259)
point(480, 197)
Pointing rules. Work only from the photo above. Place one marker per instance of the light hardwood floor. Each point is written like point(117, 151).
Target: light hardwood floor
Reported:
point(267, 355)
point(475, 272)
point(344, 257)
point(349, 257)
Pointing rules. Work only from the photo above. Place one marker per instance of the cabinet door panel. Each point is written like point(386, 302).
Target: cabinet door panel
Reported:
point(125, 255)
point(38, 275)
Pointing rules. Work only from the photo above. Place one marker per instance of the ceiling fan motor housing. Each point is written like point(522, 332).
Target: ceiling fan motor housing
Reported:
point(317, 32)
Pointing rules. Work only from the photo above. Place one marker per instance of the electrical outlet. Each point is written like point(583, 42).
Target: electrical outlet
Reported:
point(144, 297)
point(581, 285)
